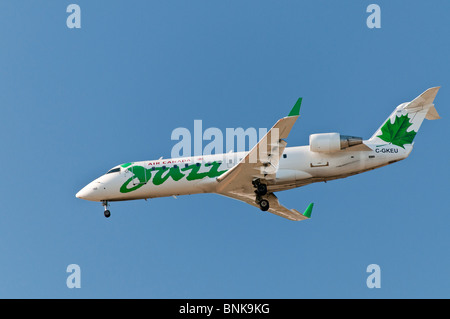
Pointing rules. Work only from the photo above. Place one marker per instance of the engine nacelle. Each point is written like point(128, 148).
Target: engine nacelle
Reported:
point(331, 142)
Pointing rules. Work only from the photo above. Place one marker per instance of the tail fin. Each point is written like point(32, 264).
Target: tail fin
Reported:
point(401, 126)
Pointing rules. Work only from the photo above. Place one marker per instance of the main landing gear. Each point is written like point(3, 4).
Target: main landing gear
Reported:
point(106, 205)
point(261, 190)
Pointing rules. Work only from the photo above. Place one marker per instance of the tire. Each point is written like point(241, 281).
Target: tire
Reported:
point(107, 213)
point(264, 205)
point(262, 189)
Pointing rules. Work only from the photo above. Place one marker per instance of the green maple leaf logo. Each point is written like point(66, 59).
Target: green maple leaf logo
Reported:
point(395, 133)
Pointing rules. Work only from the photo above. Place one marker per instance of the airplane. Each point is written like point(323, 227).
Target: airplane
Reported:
point(269, 167)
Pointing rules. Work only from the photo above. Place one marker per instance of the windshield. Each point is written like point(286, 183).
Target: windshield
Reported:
point(114, 170)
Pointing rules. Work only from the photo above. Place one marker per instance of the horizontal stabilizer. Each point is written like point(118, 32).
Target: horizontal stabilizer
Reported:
point(424, 99)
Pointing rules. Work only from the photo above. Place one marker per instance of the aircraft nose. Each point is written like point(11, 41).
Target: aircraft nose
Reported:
point(90, 191)
point(94, 191)
point(84, 193)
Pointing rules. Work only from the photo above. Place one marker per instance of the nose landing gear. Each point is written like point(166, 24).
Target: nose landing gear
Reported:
point(106, 205)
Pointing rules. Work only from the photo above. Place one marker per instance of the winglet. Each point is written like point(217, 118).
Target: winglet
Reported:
point(308, 210)
point(296, 109)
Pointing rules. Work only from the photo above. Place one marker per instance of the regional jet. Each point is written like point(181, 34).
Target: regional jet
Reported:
point(255, 176)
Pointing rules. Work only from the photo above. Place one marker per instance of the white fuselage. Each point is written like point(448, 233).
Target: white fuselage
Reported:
point(192, 175)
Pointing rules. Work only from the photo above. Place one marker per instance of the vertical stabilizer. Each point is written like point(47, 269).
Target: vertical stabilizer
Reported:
point(402, 125)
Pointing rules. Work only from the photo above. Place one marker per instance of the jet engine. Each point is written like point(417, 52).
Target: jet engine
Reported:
point(331, 142)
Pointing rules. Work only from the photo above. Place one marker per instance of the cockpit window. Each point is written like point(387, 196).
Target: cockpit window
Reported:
point(114, 170)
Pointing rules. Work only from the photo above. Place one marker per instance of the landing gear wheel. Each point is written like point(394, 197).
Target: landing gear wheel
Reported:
point(106, 204)
point(261, 189)
point(264, 205)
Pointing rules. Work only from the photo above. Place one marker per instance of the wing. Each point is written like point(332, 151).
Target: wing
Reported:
point(263, 159)
point(275, 206)
point(262, 163)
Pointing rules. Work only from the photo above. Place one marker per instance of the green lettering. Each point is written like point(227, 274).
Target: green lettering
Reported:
point(124, 189)
point(142, 174)
point(213, 171)
point(173, 172)
point(162, 174)
point(194, 174)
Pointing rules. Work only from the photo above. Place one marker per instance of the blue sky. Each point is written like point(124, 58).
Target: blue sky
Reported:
point(76, 102)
